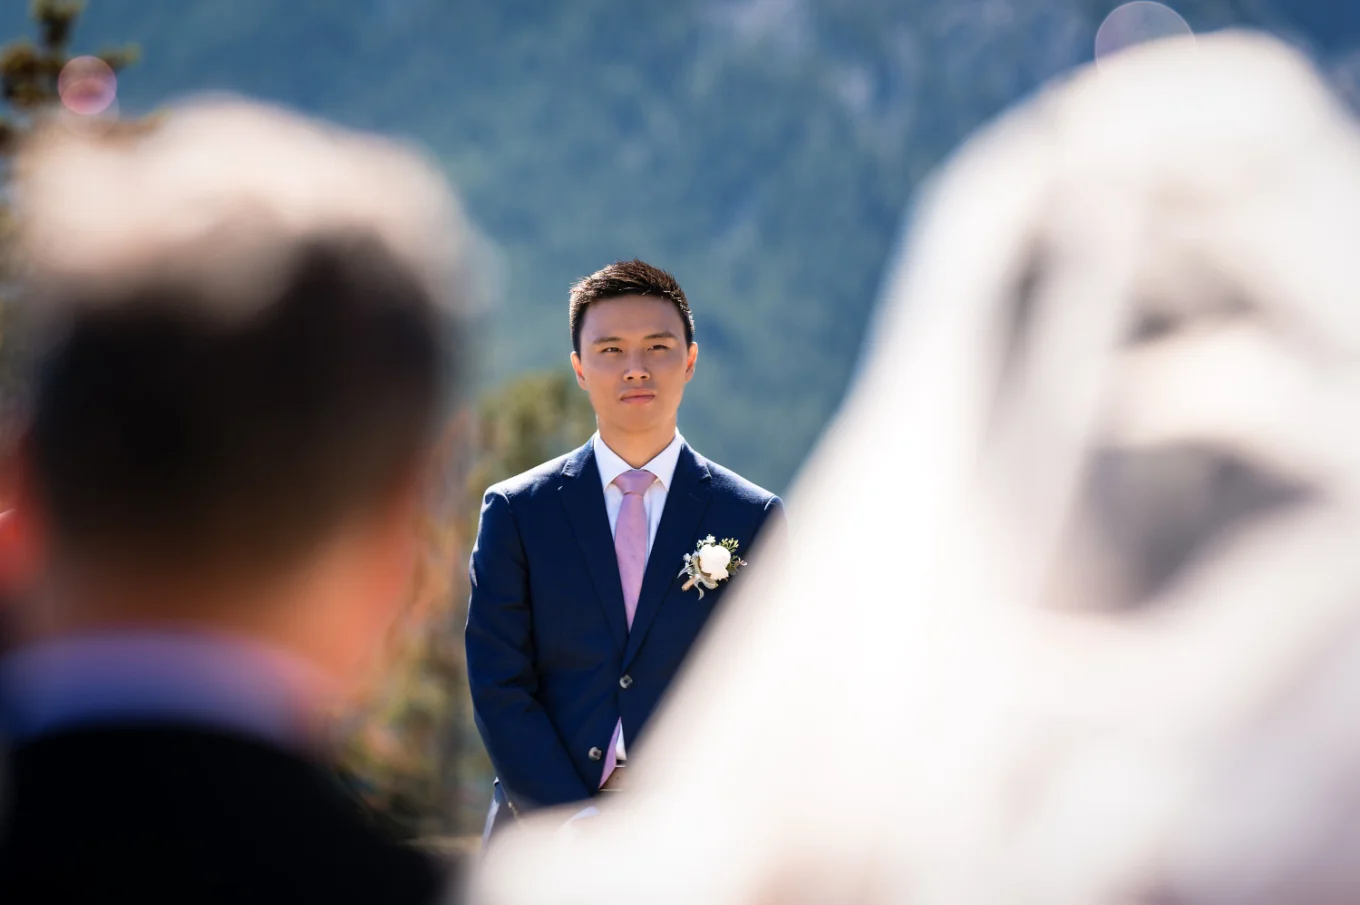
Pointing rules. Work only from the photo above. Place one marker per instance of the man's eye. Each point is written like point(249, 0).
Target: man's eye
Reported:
point(610, 349)
point(661, 346)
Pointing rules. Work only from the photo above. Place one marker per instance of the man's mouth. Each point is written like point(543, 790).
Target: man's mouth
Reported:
point(637, 397)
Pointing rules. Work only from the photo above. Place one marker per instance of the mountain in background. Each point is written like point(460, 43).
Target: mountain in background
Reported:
point(762, 150)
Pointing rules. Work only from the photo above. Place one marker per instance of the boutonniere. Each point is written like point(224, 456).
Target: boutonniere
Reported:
point(711, 562)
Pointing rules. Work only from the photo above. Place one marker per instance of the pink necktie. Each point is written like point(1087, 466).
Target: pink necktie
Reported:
point(630, 546)
point(630, 536)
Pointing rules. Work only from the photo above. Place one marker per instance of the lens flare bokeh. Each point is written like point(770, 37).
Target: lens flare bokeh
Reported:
point(87, 86)
point(1135, 23)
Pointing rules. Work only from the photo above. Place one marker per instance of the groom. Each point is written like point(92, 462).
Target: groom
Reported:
point(579, 618)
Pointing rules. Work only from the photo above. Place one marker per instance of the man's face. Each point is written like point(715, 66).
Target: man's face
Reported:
point(634, 362)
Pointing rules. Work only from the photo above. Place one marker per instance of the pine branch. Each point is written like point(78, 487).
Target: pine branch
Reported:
point(120, 58)
point(56, 20)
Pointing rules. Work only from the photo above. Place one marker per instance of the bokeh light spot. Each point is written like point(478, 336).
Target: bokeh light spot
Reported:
point(87, 86)
point(1137, 22)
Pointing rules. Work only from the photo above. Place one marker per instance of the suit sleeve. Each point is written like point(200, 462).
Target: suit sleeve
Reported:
point(532, 763)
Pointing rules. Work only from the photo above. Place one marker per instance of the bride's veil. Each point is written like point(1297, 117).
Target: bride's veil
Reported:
point(1068, 612)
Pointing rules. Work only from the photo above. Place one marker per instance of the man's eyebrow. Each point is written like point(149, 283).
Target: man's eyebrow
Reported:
point(666, 334)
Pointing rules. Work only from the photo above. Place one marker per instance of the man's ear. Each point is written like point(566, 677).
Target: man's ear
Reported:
point(23, 523)
point(395, 545)
point(693, 357)
point(576, 366)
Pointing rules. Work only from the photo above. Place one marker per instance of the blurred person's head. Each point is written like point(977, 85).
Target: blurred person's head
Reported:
point(633, 348)
point(243, 327)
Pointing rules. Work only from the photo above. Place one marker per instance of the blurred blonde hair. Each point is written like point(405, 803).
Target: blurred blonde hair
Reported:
point(218, 191)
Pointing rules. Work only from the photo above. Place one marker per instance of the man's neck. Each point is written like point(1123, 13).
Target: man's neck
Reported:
point(640, 448)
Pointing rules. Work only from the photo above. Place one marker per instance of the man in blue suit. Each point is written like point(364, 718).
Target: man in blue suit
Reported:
point(579, 616)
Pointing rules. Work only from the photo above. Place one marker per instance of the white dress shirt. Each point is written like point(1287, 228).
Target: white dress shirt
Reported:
point(663, 466)
point(611, 466)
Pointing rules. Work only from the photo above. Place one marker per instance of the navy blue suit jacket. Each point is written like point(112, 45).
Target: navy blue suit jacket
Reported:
point(552, 663)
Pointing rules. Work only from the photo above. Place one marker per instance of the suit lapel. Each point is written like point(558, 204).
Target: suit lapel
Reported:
point(686, 501)
point(583, 498)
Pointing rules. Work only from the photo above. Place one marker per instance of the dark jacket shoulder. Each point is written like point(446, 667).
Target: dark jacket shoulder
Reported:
point(538, 478)
point(727, 481)
point(546, 477)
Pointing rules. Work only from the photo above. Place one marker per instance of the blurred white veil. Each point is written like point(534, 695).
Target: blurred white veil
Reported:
point(1070, 612)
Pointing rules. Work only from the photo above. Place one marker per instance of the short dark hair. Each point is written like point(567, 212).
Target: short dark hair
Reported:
point(626, 278)
point(231, 372)
point(157, 433)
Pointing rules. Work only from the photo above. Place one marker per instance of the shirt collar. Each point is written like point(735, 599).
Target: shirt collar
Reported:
point(662, 465)
point(178, 677)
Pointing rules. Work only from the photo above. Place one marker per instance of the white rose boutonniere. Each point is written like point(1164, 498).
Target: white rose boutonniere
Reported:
point(711, 562)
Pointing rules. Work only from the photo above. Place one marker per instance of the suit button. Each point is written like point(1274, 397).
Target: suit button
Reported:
point(625, 681)
point(595, 754)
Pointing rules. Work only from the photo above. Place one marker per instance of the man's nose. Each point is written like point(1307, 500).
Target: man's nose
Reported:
point(636, 370)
